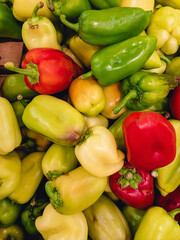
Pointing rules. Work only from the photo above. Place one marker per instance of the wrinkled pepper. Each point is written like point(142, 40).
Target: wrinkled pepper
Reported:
point(8, 127)
point(118, 61)
point(110, 223)
point(153, 133)
point(100, 4)
point(9, 26)
point(10, 172)
point(165, 26)
point(109, 26)
point(39, 31)
point(158, 224)
point(99, 163)
point(58, 160)
point(146, 5)
point(31, 212)
point(9, 212)
point(142, 90)
point(30, 178)
point(87, 96)
point(171, 3)
point(168, 176)
point(53, 225)
point(47, 70)
point(12, 232)
point(71, 8)
point(14, 85)
point(54, 119)
point(69, 193)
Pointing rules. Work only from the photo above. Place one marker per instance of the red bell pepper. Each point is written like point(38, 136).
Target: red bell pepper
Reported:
point(150, 140)
point(175, 103)
point(169, 202)
point(47, 70)
point(133, 186)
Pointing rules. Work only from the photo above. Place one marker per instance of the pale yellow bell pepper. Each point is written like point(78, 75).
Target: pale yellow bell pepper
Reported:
point(144, 4)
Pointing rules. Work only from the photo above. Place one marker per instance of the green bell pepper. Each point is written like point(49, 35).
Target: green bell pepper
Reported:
point(13, 232)
point(141, 90)
point(100, 4)
point(9, 212)
point(109, 26)
point(133, 217)
point(9, 26)
point(14, 85)
point(71, 8)
point(19, 107)
point(31, 212)
point(158, 224)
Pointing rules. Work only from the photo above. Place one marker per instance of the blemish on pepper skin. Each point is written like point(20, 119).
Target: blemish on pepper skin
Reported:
point(33, 26)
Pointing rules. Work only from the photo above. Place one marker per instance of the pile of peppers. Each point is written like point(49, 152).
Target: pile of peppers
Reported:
point(90, 120)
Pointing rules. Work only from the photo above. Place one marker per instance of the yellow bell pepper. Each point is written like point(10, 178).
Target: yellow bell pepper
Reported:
point(10, 172)
point(165, 26)
point(69, 52)
point(31, 176)
point(171, 3)
point(144, 4)
point(97, 152)
point(10, 134)
point(98, 120)
point(54, 226)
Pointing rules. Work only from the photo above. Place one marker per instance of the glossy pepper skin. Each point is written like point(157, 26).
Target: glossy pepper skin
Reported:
point(8, 127)
point(39, 31)
point(165, 26)
point(110, 222)
point(141, 90)
point(105, 3)
point(118, 61)
point(10, 172)
point(157, 224)
point(150, 140)
point(54, 119)
point(109, 26)
point(9, 26)
point(71, 8)
point(133, 186)
point(168, 176)
point(53, 225)
point(69, 193)
point(9, 212)
point(47, 70)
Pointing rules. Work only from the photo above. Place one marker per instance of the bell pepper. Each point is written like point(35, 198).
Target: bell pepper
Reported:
point(97, 152)
point(175, 103)
point(106, 221)
point(22, 10)
point(165, 26)
point(109, 26)
point(9, 26)
point(31, 212)
point(87, 96)
point(118, 61)
point(171, 3)
point(158, 224)
point(135, 187)
point(146, 5)
point(14, 85)
point(39, 31)
point(70, 193)
point(12, 232)
point(133, 217)
point(53, 225)
point(47, 70)
point(150, 140)
point(58, 160)
point(98, 120)
point(9, 212)
point(10, 137)
point(170, 202)
point(168, 176)
point(83, 50)
point(54, 119)
point(141, 90)
point(113, 96)
point(30, 178)
point(71, 8)
point(173, 67)
point(10, 172)
point(105, 3)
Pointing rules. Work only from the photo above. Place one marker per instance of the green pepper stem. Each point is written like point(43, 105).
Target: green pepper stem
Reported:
point(131, 94)
point(73, 26)
point(174, 212)
point(50, 5)
point(164, 59)
point(37, 7)
point(86, 75)
point(53, 195)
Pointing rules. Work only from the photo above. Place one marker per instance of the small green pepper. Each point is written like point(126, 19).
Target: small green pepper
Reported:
point(13, 232)
point(9, 212)
point(19, 107)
